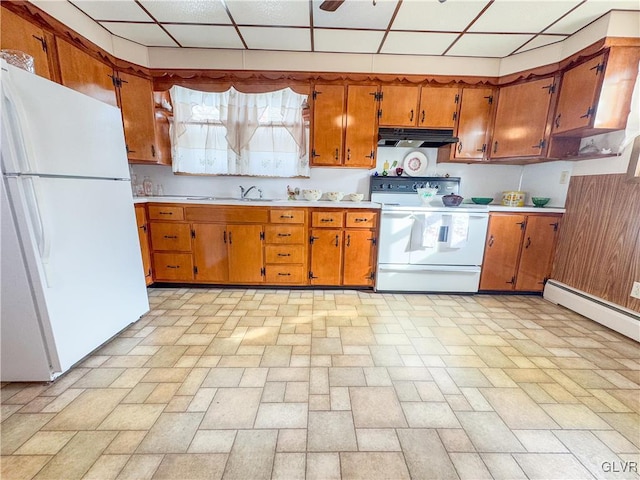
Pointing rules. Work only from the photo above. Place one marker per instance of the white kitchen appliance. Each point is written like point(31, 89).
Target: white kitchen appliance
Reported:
point(71, 268)
point(427, 248)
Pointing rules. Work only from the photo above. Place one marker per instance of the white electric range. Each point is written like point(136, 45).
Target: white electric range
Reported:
point(427, 248)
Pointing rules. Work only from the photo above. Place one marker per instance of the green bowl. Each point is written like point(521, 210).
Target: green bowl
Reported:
point(481, 200)
point(540, 201)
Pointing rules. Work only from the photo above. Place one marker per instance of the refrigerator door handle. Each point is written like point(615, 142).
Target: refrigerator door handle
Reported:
point(38, 224)
point(18, 145)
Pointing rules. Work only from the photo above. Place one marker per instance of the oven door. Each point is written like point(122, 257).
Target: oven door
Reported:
point(395, 237)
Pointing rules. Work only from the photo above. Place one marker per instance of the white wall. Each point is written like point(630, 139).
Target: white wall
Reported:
point(476, 180)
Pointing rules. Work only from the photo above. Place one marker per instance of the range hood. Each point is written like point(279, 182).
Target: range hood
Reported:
point(415, 137)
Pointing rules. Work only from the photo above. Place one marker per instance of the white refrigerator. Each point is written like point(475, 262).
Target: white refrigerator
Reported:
point(71, 272)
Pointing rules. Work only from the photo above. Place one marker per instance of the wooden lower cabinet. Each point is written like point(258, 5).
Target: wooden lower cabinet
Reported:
point(343, 256)
point(326, 257)
point(210, 252)
point(249, 246)
point(519, 251)
point(246, 260)
point(143, 236)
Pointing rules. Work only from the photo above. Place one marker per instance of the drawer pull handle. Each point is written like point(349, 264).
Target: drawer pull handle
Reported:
point(170, 236)
point(284, 234)
point(165, 213)
point(286, 216)
point(173, 266)
point(284, 254)
point(362, 219)
point(284, 274)
point(326, 219)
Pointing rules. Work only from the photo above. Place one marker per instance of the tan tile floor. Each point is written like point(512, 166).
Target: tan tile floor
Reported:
point(253, 384)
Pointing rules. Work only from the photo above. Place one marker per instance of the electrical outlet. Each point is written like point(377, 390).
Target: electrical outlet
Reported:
point(635, 290)
point(564, 177)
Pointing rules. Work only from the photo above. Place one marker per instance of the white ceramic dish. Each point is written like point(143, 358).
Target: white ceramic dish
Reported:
point(355, 197)
point(312, 195)
point(335, 196)
point(415, 164)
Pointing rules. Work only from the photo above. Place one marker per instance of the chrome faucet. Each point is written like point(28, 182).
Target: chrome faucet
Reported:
point(244, 193)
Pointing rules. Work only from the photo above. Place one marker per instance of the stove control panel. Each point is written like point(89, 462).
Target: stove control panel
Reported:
point(409, 185)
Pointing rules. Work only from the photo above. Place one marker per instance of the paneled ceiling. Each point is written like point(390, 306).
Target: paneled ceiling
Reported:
point(471, 28)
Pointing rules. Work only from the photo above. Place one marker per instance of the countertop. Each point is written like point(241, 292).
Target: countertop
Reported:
point(201, 200)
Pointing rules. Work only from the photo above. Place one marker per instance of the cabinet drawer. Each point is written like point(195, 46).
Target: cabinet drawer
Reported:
point(362, 219)
point(157, 212)
point(170, 236)
point(283, 234)
point(285, 274)
point(327, 219)
point(173, 266)
point(294, 215)
point(201, 213)
point(284, 253)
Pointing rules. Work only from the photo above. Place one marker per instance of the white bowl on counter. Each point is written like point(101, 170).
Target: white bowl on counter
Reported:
point(335, 196)
point(355, 197)
point(312, 195)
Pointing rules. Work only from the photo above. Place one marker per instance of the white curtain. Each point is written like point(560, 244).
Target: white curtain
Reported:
point(237, 133)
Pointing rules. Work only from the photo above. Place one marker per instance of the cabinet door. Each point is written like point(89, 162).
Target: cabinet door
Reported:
point(577, 98)
point(246, 261)
point(361, 136)
point(210, 252)
point(438, 107)
point(326, 257)
point(328, 124)
point(85, 74)
point(536, 258)
point(143, 237)
point(136, 102)
point(473, 124)
point(19, 34)
point(358, 257)
point(501, 252)
point(521, 119)
point(399, 106)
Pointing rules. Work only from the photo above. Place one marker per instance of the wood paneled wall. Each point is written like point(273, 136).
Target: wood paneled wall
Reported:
point(599, 244)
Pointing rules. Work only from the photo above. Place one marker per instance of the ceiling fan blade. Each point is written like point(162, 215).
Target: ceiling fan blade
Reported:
point(331, 5)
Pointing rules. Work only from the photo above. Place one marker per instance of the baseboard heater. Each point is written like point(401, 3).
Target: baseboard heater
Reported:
point(615, 317)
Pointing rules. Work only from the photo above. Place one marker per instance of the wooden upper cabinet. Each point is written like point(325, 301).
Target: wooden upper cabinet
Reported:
point(138, 115)
point(328, 124)
point(19, 34)
point(521, 119)
point(399, 106)
point(438, 107)
point(473, 124)
point(361, 135)
point(536, 258)
point(595, 96)
point(86, 74)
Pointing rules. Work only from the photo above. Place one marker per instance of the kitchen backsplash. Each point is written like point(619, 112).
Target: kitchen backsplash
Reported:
point(477, 180)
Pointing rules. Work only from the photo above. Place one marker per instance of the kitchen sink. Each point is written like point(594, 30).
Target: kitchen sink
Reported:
point(234, 198)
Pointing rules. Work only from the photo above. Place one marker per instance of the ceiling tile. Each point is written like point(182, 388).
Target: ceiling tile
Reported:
point(351, 41)
point(188, 11)
point(588, 12)
point(123, 10)
point(205, 36)
point(272, 38)
point(487, 45)
point(270, 12)
point(148, 34)
point(450, 16)
point(410, 43)
point(522, 15)
point(356, 14)
point(541, 41)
